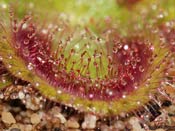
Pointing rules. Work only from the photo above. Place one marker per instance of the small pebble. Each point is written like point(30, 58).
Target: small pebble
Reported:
point(21, 95)
point(119, 125)
point(32, 103)
point(26, 120)
point(28, 127)
point(8, 118)
point(104, 128)
point(22, 127)
point(14, 126)
point(72, 123)
point(18, 118)
point(23, 114)
point(35, 118)
point(56, 122)
point(135, 124)
point(89, 122)
point(171, 109)
point(55, 110)
point(61, 117)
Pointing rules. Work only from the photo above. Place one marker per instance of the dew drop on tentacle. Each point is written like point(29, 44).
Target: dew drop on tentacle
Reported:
point(30, 66)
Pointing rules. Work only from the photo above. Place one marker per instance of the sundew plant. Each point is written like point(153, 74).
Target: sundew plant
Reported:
point(105, 57)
